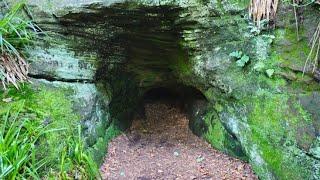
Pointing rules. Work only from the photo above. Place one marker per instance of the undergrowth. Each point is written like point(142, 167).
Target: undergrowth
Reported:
point(18, 137)
point(40, 137)
point(75, 162)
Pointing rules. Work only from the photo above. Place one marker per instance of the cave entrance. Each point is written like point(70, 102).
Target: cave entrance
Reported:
point(160, 144)
point(178, 92)
point(141, 55)
point(162, 106)
point(143, 65)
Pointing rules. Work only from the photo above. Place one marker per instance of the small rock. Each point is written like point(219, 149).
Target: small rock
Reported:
point(200, 159)
point(176, 153)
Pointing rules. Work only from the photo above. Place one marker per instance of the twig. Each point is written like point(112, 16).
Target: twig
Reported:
point(315, 41)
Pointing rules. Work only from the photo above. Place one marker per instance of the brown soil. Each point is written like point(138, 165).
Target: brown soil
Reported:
point(163, 147)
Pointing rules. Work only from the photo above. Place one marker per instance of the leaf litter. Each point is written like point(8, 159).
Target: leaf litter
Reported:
point(163, 147)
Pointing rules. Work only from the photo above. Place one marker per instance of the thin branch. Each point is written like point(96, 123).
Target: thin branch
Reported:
point(296, 18)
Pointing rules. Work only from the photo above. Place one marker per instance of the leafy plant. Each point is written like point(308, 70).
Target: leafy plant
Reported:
point(270, 72)
point(47, 137)
point(75, 163)
point(15, 34)
point(259, 66)
point(254, 30)
point(18, 139)
point(241, 59)
point(236, 54)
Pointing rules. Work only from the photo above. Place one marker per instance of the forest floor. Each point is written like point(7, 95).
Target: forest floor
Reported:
point(163, 147)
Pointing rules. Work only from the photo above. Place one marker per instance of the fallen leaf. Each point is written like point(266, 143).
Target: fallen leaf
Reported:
point(270, 72)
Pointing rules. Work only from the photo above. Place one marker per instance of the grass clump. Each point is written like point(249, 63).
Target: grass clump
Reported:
point(50, 132)
point(18, 137)
point(75, 162)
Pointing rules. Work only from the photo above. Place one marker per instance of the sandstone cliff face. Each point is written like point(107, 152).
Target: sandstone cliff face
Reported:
point(111, 52)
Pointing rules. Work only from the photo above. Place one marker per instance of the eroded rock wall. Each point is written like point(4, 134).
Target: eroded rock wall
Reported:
point(129, 47)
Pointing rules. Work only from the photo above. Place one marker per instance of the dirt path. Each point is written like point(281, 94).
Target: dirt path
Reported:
point(163, 147)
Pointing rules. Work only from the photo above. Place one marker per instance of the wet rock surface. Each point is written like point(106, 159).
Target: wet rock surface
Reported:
point(163, 147)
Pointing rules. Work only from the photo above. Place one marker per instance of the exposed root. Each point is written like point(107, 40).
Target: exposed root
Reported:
point(313, 57)
point(260, 10)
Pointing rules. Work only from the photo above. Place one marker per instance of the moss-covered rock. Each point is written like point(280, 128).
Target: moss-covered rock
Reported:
point(63, 107)
point(279, 147)
point(91, 107)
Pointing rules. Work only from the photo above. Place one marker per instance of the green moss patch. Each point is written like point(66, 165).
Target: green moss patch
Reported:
point(274, 121)
point(292, 52)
